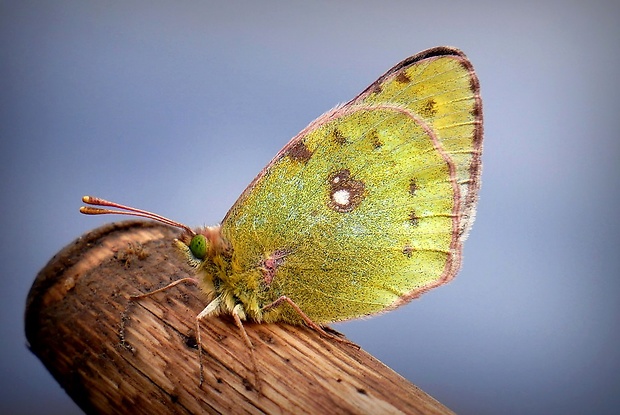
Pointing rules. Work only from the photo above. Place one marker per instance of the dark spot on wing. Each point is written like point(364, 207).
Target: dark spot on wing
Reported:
point(413, 218)
point(413, 186)
point(375, 140)
point(298, 151)
point(408, 250)
point(402, 77)
point(338, 137)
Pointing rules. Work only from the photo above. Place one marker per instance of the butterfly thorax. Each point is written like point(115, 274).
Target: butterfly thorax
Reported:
point(220, 276)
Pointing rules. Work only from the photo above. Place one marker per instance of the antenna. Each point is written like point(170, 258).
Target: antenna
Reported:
point(126, 210)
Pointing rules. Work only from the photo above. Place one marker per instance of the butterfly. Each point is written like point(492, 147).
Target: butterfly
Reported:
point(364, 210)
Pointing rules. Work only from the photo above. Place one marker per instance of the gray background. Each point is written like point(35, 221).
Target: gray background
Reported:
point(174, 107)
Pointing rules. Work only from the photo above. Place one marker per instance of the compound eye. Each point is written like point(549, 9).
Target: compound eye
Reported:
point(198, 246)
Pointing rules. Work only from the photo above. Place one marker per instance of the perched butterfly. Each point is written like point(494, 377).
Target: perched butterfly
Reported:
point(362, 211)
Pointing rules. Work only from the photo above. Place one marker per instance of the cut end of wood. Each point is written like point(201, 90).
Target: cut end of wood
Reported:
point(113, 355)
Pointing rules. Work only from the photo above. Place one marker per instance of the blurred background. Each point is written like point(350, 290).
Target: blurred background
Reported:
point(175, 106)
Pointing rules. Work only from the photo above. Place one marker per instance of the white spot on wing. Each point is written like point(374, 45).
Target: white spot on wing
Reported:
point(341, 197)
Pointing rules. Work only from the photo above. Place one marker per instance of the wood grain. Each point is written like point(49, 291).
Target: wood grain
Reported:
point(113, 355)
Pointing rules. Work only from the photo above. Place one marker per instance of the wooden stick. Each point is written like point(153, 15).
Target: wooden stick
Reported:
point(113, 355)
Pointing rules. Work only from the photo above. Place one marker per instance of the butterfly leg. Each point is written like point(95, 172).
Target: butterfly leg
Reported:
point(186, 280)
point(132, 298)
point(238, 314)
point(211, 308)
point(307, 320)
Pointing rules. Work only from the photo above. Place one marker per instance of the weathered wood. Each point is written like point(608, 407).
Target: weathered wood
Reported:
point(113, 355)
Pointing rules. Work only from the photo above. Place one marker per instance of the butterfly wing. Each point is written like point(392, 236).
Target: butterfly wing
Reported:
point(367, 207)
point(440, 86)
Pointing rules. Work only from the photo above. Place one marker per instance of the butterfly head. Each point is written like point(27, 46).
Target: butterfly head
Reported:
point(202, 247)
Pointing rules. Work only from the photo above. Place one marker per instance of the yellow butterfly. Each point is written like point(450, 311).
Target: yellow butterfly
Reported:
point(362, 211)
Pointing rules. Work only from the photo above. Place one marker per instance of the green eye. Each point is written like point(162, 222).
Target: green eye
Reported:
point(198, 246)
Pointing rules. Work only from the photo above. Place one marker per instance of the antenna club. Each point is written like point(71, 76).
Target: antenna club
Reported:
point(87, 210)
point(92, 200)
